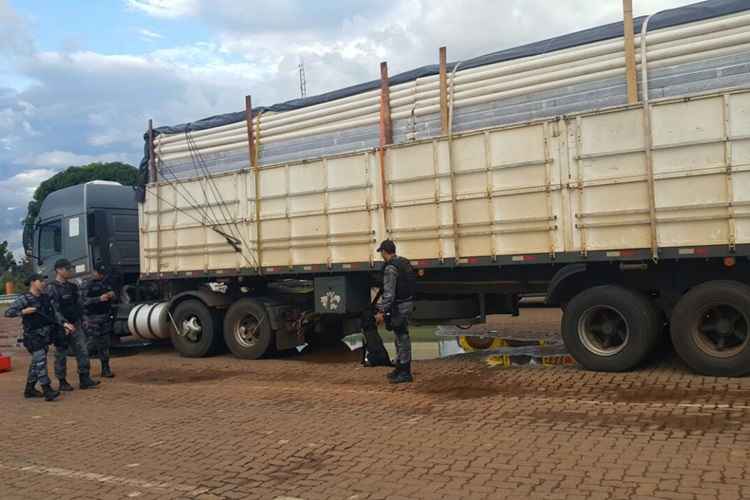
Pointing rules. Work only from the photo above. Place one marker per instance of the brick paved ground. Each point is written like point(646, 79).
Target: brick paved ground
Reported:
point(9, 332)
point(319, 426)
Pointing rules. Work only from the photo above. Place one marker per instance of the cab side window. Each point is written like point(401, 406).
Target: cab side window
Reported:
point(50, 239)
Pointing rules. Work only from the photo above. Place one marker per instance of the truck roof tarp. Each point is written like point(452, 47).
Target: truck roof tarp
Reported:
point(664, 19)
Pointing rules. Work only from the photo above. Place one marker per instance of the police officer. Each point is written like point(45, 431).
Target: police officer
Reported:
point(38, 321)
point(65, 302)
point(396, 306)
point(96, 301)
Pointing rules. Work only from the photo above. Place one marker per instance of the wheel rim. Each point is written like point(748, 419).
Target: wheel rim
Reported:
point(192, 328)
point(603, 330)
point(246, 331)
point(722, 331)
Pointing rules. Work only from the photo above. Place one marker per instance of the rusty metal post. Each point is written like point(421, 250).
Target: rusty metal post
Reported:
point(256, 178)
point(444, 90)
point(386, 135)
point(151, 157)
point(386, 129)
point(627, 9)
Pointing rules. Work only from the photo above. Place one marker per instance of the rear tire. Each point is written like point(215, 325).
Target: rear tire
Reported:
point(247, 329)
point(200, 333)
point(610, 328)
point(711, 329)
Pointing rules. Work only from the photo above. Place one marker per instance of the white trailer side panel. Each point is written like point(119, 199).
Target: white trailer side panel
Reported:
point(574, 185)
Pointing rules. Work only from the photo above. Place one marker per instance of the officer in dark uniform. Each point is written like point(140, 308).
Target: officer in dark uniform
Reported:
point(96, 300)
point(38, 322)
point(64, 296)
point(396, 306)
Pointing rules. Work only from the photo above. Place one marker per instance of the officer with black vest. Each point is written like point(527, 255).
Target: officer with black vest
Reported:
point(38, 322)
point(96, 299)
point(64, 295)
point(396, 306)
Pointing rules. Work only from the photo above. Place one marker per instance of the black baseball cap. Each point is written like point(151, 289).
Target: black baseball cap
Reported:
point(34, 277)
point(62, 264)
point(99, 267)
point(388, 246)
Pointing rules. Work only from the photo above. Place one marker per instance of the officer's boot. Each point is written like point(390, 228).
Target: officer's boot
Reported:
point(404, 375)
point(106, 370)
point(65, 386)
point(49, 393)
point(394, 373)
point(86, 382)
point(31, 392)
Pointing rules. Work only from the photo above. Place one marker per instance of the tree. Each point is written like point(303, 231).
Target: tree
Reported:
point(11, 270)
point(115, 171)
point(7, 260)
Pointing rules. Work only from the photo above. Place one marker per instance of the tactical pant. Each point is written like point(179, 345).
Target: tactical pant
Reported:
point(400, 322)
point(99, 334)
point(76, 342)
point(38, 368)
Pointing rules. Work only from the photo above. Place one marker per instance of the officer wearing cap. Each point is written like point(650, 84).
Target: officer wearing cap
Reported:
point(64, 296)
point(38, 319)
point(96, 300)
point(396, 306)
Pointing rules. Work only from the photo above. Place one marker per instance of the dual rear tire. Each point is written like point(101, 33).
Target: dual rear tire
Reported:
point(711, 328)
point(613, 329)
point(244, 329)
point(610, 328)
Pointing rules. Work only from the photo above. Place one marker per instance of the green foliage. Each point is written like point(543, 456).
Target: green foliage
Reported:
point(72, 176)
point(11, 270)
point(7, 261)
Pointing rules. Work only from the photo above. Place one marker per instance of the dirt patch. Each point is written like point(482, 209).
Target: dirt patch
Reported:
point(460, 386)
point(183, 376)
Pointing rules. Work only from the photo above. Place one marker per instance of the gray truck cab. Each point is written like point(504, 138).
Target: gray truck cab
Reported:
point(86, 223)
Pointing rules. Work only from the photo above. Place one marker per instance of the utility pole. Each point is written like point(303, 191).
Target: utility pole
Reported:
point(302, 79)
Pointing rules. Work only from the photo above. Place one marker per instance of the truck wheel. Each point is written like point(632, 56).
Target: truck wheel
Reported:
point(247, 330)
point(609, 328)
point(198, 335)
point(711, 328)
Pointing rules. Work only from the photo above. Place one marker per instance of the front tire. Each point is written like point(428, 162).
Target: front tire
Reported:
point(711, 329)
point(247, 329)
point(610, 328)
point(198, 336)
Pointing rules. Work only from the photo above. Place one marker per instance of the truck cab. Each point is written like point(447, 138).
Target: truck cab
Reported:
point(86, 223)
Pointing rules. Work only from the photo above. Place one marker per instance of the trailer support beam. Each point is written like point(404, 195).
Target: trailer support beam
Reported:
point(256, 180)
point(627, 9)
point(386, 136)
point(444, 90)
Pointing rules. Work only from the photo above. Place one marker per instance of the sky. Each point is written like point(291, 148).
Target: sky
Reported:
point(79, 79)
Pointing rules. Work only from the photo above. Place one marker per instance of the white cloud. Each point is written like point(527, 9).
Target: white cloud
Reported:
point(149, 35)
point(165, 8)
point(14, 36)
point(66, 159)
point(15, 192)
point(62, 159)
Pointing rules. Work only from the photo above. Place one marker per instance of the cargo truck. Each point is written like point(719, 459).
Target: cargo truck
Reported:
point(608, 169)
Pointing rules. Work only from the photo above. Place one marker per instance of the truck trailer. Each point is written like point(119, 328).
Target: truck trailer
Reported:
point(608, 169)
